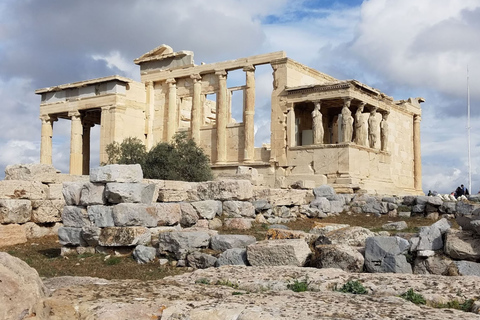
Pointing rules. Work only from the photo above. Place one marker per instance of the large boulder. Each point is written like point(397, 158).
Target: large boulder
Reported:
point(47, 211)
point(238, 209)
point(225, 190)
point(339, 256)
point(431, 237)
point(386, 254)
point(465, 268)
point(134, 214)
point(189, 215)
point(124, 236)
point(76, 217)
point(168, 214)
point(294, 252)
point(469, 220)
point(224, 242)
point(199, 260)
point(17, 189)
point(208, 209)
point(323, 191)
point(234, 256)
point(45, 173)
point(101, 216)
point(462, 245)
point(117, 173)
point(143, 254)
point(437, 264)
point(21, 291)
point(116, 192)
point(183, 242)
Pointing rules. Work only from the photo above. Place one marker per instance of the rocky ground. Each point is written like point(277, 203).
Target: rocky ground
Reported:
point(258, 293)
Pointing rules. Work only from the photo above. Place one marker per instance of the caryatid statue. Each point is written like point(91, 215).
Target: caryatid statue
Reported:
point(347, 122)
point(384, 131)
point(372, 128)
point(360, 126)
point(317, 124)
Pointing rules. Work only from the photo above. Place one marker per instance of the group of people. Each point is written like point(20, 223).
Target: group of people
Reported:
point(461, 191)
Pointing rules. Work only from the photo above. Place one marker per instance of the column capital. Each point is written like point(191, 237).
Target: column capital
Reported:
point(74, 114)
point(347, 100)
point(417, 118)
point(149, 84)
point(363, 103)
point(249, 68)
point(196, 77)
point(171, 82)
point(222, 74)
point(48, 118)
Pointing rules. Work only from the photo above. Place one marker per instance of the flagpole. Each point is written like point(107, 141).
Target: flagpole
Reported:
point(468, 134)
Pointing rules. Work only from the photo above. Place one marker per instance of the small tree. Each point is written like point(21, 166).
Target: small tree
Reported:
point(130, 151)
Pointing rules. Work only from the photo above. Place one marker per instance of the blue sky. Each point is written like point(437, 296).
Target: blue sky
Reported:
point(405, 48)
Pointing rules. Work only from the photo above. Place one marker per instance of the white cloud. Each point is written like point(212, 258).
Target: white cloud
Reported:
point(114, 59)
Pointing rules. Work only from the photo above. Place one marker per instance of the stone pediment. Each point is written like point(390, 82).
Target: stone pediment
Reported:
point(160, 53)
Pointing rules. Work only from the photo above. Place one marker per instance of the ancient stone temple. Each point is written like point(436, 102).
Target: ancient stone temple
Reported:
point(323, 130)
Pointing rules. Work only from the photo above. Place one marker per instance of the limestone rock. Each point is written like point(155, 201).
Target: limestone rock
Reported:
point(22, 290)
point(183, 242)
point(17, 189)
point(233, 256)
point(238, 209)
point(431, 237)
point(34, 230)
point(238, 223)
point(208, 209)
point(31, 172)
point(215, 223)
point(283, 197)
point(15, 211)
point(155, 232)
point(134, 214)
point(117, 173)
point(92, 194)
point(277, 234)
point(175, 191)
point(91, 235)
point(322, 204)
point(399, 225)
point(168, 214)
point(386, 254)
point(338, 256)
point(70, 236)
point(55, 191)
point(225, 190)
point(71, 192)
point(321, 228)
point(198, 260)
point(462, 245)
point(352, 236)
point(116, 192)
point(12, 234)
point(47, 211)
point(224, 242)
point(189, 216)
point(323, 191)
point(143, 254)
point(437, 264)
point(261, 205)
point(75, 217)
point(469, 220)
point(278, 253)
point(465, 268)
point(124, 236)
point(101, 216)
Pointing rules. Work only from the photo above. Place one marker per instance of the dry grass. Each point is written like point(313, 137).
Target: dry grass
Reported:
point(44, 254)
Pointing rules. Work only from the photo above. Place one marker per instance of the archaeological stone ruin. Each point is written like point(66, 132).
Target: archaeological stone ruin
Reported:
point(323, 130)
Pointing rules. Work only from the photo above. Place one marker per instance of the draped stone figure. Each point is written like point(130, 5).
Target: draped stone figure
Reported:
point(384, 131)
point(317, 124)
point(360, 126)
point(347, 122)
point(372, 128)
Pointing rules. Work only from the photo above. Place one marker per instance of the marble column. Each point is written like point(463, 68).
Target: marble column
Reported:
point(150, 113)
point(221, 121)
point(76, 156)
point(86, 147)
point(417, 157)
point(196, 116)
point(172, 109)
point(46, 140)
point(105, 132)
point(249, 114)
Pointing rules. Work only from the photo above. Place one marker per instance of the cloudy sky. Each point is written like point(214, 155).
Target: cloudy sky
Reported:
point(408, 48)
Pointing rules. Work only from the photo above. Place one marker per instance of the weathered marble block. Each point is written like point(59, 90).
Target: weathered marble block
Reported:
point(386, 254)
point(339, 256)
point(124, 236)
point(34, 230)
point(69, 236)
point(462, 245)
point(116, 192)
point(101, 216)
point(225, 190)
point(15, 211)
point(183, 242)
point(134, 214)
point(17, 189)
point(223, 242)
point(47, 211)
point(234, 256)
point(12, 234)
point(168, 214)
point(283, 197)
point(238, 209)
point(76, 217)
point(278, 253)
point(117, 173)
point(92, 194)
point(208, 209)
point(71, 192)
point(55, 191)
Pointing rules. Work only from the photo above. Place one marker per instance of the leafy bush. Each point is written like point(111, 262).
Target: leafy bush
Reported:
point(180, 160)
point(466, 306)
point(228, 283)
point(299, 286)
point(411, 296)
point(354, 287)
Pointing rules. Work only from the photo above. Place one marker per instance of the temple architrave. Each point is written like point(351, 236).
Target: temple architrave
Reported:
point(323, 130)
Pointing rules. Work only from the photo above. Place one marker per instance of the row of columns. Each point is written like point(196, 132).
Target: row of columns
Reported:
point(222, 113)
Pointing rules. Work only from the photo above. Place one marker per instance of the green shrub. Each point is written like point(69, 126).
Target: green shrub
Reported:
point(299, 286)
point(113, 261)
point(203, 281)
point(228, 283)
point(180, 160)
point(466, 306)
point(354, 287)
point(411, 296)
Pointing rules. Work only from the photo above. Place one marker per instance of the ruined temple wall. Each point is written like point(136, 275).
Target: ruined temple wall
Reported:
point(301, 75)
